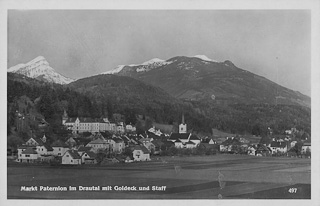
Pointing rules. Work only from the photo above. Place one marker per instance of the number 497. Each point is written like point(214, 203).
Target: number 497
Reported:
point(292, 190)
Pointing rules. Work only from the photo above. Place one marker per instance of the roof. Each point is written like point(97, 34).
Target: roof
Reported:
point(85, 120)
point(175, 136)
point(29, 150)
point(208, 146)
point(38, 140)
point(278, 144)
point(48, 147)
point(117, 140)
point(231, 141)
point(177, 141)
point(194, 137)
point(59, 143)
point(143, 148)
point(74, 154)
point(70, 140)
point(262, 148)
point(98, 141)
point(91, 154)
point(145, 139)
point(25, 147)
point(84, 149)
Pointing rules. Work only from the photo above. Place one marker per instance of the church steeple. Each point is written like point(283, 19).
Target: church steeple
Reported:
point(182, 126)
point(64, 117)
point(182, 121)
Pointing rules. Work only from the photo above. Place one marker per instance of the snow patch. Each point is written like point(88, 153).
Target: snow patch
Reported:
point(151, 61)
point(204, 58)
point(115, 70)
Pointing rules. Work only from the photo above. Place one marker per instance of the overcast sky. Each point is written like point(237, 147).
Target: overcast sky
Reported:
point(271, 43)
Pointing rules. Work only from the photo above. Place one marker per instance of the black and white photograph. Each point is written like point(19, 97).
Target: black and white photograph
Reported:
point(160, 102)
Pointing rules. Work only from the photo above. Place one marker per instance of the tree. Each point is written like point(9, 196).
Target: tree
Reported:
point(100, 156)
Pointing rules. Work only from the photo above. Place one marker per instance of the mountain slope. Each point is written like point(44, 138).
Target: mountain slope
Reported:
point(122, 91)
point(200, 78)
point(39, 68)
point(124, 94)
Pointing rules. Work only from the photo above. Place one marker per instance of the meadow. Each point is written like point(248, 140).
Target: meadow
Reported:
point(194, 177)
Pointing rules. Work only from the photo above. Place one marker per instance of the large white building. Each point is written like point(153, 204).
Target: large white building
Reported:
point(82, 124)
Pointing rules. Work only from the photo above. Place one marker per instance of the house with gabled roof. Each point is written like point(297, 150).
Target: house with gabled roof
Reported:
point(44, 149)
point(263, 150)
point(157, 146)
point(193, 138)
point(98, 144)
point(252, 150)
point(34, 142)
point(59, 148)
point(88, 157)
point(125, 139)
point(190, 145)
point(118, 145)
point(141, 153)
point(29, 155)
point(212, 141)
point(178, 143)
point(306, 146)
point(71, 142)
point(183, 137)
point(71, 157)
point(83, 149)
point(22, 148)
point(276, 147)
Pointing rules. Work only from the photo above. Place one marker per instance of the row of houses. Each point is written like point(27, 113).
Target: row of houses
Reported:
point(74, 152)
point(274, 147)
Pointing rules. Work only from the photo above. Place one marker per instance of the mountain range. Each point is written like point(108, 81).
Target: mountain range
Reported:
point(211, 94)
point(200, 78)
point(197, 78)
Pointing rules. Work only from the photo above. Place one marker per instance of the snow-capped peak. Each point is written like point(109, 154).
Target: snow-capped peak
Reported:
point(143, 67)
point(39, 68)
point(115, 70)
point(151, 61)
point(205, 58)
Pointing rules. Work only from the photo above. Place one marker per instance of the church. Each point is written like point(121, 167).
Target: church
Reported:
point(183, 139)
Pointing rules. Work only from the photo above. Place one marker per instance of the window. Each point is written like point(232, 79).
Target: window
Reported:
point(71, 160)
point(27, 155)
point(67, 155)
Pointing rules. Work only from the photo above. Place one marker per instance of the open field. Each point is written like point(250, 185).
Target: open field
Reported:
point(207, 177)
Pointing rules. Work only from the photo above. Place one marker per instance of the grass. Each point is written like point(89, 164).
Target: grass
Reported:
point(195, 177)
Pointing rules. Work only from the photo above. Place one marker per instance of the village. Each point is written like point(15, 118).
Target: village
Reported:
point(109, 143)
